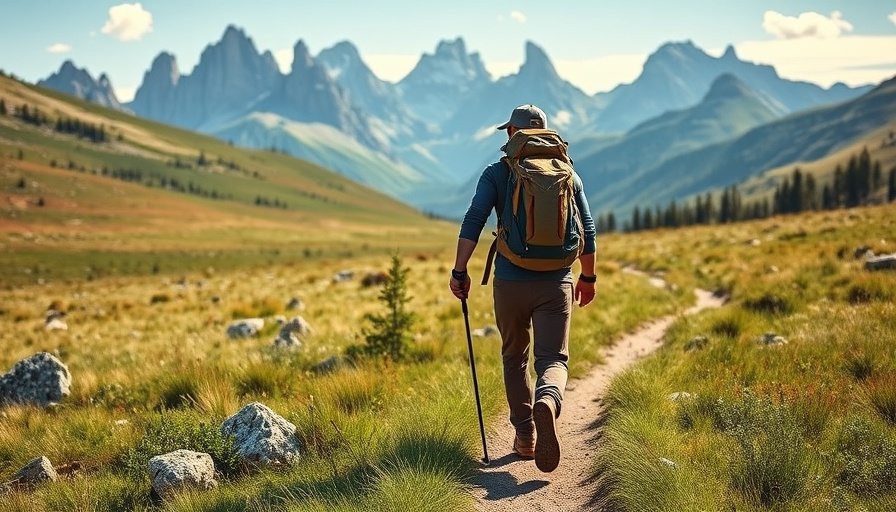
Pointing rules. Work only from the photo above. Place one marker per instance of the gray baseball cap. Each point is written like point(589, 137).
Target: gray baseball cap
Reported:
point(526, 116)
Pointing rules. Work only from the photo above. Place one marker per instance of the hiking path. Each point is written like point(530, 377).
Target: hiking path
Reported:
point(512, 483)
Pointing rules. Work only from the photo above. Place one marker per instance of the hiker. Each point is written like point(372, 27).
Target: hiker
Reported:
point(542, 299)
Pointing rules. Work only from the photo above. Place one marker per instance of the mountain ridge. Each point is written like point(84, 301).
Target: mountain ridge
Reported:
point(439, 119)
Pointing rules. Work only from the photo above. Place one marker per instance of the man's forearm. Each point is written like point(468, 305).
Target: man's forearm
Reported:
point(587, 263)
point(465, 248)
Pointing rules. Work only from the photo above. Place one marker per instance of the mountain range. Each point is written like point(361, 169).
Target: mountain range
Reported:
point(424, 139)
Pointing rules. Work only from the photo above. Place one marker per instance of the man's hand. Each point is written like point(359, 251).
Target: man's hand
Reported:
point(584, 293)
point(460, 288)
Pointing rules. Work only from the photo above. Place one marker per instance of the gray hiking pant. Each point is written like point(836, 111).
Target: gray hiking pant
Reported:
point(546, 308)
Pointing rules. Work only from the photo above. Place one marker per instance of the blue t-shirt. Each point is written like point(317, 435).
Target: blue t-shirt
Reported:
point(493, 182)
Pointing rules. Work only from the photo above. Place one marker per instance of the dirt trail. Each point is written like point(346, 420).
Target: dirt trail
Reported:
point(511, 483)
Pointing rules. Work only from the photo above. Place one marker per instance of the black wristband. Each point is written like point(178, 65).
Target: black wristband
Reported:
point(458, 275)
point(585, 279)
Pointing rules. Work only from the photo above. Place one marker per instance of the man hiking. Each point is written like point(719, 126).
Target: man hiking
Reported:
point(533, 282)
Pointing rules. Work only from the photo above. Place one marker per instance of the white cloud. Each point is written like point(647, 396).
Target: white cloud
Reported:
point(59, 48)
point(892, 17)
point(807, 24)
point(853, 60)
point(518, 17)
point(128, 22)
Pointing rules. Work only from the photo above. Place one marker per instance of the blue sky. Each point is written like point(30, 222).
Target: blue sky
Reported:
point(595, 44)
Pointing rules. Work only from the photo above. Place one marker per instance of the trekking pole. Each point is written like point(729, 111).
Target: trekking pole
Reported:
point(463, 303)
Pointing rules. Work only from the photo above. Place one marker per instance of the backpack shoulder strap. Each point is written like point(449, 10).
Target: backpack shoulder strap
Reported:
point(499, 210)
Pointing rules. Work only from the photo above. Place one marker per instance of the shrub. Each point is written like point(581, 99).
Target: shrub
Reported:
point(770, 465)
point(165, 434)
point(881, 392)
point(860, 366)
point(180, 391)
point(867, 458)
point(771, 304)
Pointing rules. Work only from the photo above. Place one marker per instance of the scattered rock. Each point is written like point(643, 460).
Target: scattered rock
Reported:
point(343, 275)
point(884, 262)
point(679, 396)
point(862, 252)
point(295, 303)
point(36, 472)
point(668, 462)
point(56, 325)
point(329, 364)
point(261, 436)
point(772, 339)
point(696, 343)
point(53, 320)
point(298, 326)
point(488, 330)
point(181, 469)
point(39, 380)
point(245, 328)
point(288, 340)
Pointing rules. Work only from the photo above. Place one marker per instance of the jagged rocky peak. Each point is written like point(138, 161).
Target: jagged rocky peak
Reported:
point(234, 36)
point(455, 49)
point(537, 61)
point(165, 65)
point(69, 72)
point(725, 87)
point(79, 83)
point(340, 57)
point(301, 57)
point(729, 54)
point(675, 50)
point(449, 63)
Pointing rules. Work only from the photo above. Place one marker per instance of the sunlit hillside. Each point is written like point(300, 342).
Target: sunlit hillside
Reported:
point(86, 192)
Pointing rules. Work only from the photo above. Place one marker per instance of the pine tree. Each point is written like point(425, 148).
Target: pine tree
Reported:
point(709, 209)
point(796, 202)
point(725, 207)
point(839, 190)
point(827, 198)
point(390, 333)
point(2, 107)
point(699, 212)
point(877, 178)
point(891, 188)
point(601, 224)
point(611, 221)
point(810, 199)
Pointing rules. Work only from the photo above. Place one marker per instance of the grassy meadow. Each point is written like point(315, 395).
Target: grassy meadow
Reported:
point(809, 425)
point(152, 266)
point(152, 351)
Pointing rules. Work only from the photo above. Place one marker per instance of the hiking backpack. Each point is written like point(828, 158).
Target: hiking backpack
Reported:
point(539, 223)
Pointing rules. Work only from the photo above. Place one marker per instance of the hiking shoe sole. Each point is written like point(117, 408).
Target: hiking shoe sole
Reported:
point(547, 446)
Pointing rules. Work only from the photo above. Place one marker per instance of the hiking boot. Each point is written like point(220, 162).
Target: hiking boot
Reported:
point(547, 445)
point(524, 446)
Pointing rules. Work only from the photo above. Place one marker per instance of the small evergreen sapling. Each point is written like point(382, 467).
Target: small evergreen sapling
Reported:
point(389, 333)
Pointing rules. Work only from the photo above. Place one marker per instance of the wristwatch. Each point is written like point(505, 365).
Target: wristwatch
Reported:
point(458, 275)
point(588, 279)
